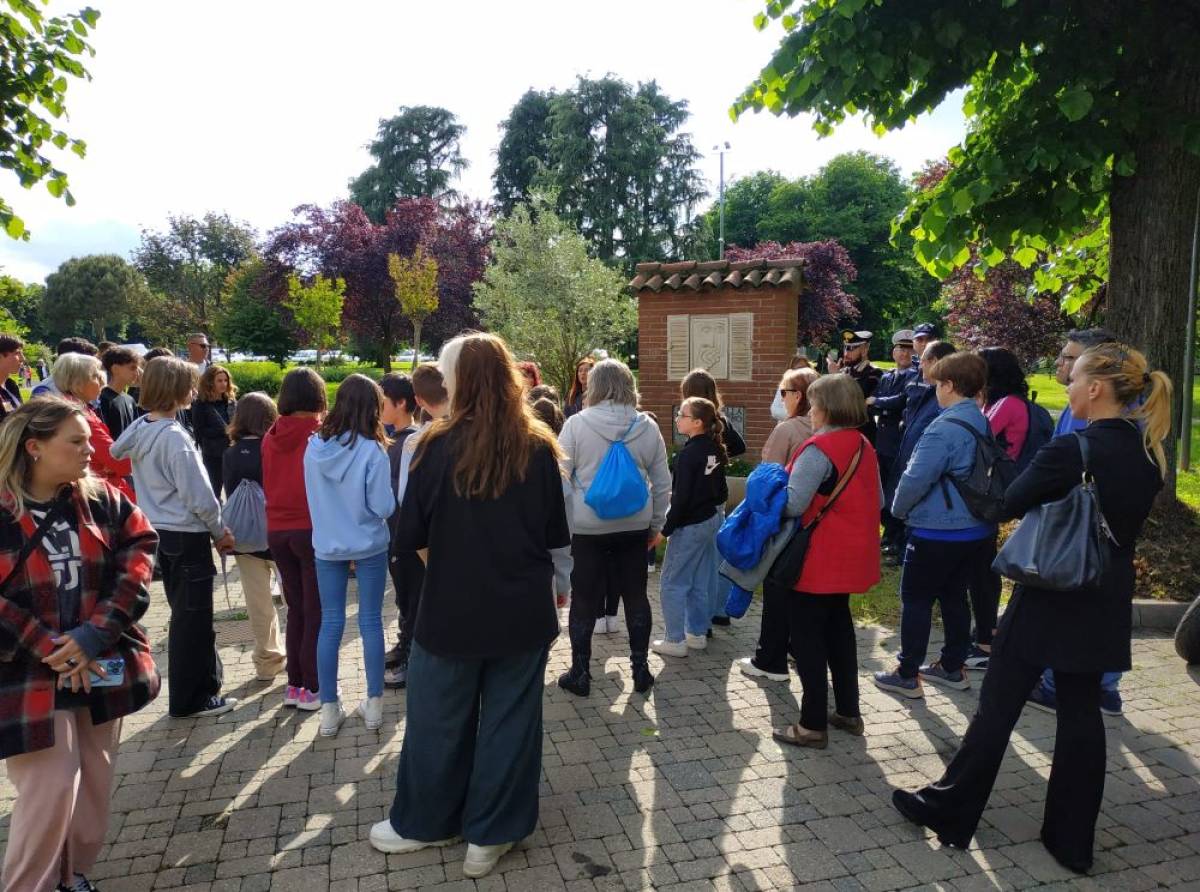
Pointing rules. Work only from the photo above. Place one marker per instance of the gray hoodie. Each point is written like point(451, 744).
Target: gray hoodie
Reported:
point(585, 439)
point(169, 478)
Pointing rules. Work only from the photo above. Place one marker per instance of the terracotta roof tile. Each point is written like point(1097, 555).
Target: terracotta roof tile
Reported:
point(712, 274)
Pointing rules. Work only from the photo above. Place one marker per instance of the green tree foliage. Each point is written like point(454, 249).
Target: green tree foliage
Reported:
point(1071, 119)
point(317, 307)
point(37, 55)
point(417, 155)
point(23, 304)
point(189, 261)
point(91, 295)
point(250, 320)
point(852, 200)
point(547, 297)
point(416, 281)
point(616, 158)
point(524, 151)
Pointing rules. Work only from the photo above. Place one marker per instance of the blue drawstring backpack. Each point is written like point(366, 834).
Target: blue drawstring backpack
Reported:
point(618, 489)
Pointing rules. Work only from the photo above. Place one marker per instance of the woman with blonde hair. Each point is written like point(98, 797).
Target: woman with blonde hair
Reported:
point(80, 378)
point(1079, 634)
point(485, 497)
point(212, 413)
point(176, 496)
point(78, 557)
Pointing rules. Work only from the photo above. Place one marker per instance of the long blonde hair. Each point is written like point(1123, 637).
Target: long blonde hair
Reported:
point(1127, 371)
point(38, 419)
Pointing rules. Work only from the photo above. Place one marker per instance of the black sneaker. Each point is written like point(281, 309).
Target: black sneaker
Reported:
point(643, 678)
point(396, 676)
point(215, 706)
point(79, 884)
point(393, 657)
point(720, 621)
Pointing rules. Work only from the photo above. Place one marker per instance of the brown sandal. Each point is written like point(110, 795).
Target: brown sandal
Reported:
point(798, 735)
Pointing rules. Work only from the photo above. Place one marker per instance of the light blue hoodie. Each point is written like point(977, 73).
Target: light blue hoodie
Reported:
point(349, 497)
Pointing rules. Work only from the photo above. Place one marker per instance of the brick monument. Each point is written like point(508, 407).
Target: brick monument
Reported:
point(737, 320)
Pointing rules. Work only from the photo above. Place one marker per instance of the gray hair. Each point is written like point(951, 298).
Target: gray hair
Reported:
point(72, 370)
point(610, 379)
point(1091, 337)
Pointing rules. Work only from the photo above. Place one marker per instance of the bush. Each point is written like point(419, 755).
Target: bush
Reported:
point(336, 374)
point(252, 376)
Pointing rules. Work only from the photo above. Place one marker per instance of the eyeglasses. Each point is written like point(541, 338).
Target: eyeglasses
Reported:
point(1064, 356)
point(681, 415)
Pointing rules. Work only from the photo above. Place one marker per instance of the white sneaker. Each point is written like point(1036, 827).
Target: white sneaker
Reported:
point(669, 648)
point(481, 859)
point(697, 642)
point(332, 716)
point(601, 626)
point(746, 664)
point(614, 624)
point(371, 711)
point(386, 839)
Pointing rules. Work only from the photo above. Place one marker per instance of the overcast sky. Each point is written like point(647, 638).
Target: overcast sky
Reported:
point(256, 106)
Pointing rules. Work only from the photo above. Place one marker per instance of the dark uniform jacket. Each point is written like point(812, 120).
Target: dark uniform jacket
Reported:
point(890, 399)
point(1084, 631)
point(867, 377)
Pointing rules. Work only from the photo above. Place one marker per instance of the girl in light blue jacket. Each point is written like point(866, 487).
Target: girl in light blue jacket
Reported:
point(347, 478)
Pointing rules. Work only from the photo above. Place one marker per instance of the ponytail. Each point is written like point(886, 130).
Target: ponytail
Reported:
point(1127, 371)
point(1155, 417)
point(714, 426)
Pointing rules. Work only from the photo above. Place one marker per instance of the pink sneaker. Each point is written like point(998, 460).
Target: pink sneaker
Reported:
point(308, 701)
point(291, 696)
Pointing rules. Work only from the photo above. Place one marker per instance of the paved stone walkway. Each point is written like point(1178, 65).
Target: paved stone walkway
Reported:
point(684, 790)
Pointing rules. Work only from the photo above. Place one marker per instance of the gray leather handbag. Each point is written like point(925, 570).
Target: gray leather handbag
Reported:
point(1061, 546)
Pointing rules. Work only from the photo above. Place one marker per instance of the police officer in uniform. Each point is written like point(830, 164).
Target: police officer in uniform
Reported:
point(854, 363)
point(887, 405)
point(922, 335)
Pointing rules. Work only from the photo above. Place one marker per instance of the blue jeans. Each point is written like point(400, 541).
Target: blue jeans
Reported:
point(1109, 681)
point(332, 577)
point(686, 585)
point(717, 591)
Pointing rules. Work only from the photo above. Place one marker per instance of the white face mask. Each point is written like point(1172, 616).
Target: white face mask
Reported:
point(778, 409)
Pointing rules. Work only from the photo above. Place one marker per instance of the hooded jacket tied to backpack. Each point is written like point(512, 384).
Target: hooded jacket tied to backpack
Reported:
point(585, 439)
point(945, 449)
point(349, 497)
point(752, 523)
point(172, 486)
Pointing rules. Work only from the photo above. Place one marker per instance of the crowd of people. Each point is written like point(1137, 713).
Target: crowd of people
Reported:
point(490, 502)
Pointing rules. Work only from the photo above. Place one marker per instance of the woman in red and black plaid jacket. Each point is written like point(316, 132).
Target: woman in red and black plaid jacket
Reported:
point(68, 620)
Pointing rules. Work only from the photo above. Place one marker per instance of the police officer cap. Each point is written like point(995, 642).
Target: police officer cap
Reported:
point(903, 338)
point(926, 329)
point(856, 338)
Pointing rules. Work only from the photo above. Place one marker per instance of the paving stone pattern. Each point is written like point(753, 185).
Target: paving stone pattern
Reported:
point(684, 790)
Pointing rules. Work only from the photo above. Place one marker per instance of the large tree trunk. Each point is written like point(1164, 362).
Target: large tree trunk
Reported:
point(1153, 215)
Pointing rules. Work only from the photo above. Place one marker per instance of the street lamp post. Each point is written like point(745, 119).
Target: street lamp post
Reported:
point(721, 198)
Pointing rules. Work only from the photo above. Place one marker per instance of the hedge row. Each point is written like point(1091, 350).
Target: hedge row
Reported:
point(267, 376)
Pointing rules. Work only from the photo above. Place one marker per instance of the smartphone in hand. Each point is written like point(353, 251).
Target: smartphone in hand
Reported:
point(115, 667)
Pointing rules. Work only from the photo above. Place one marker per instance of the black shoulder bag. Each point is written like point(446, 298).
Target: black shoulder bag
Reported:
point(790, 562)
point(1061, 546)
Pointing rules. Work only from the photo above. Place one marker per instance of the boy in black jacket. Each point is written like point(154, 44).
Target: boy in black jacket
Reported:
point(399, 407)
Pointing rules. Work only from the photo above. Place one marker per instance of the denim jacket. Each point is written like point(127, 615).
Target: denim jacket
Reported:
point(944, 449)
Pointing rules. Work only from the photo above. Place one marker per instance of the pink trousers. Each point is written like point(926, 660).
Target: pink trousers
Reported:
point(64, 796)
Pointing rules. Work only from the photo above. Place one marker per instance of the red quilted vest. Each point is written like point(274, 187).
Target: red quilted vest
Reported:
point(843, 556)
